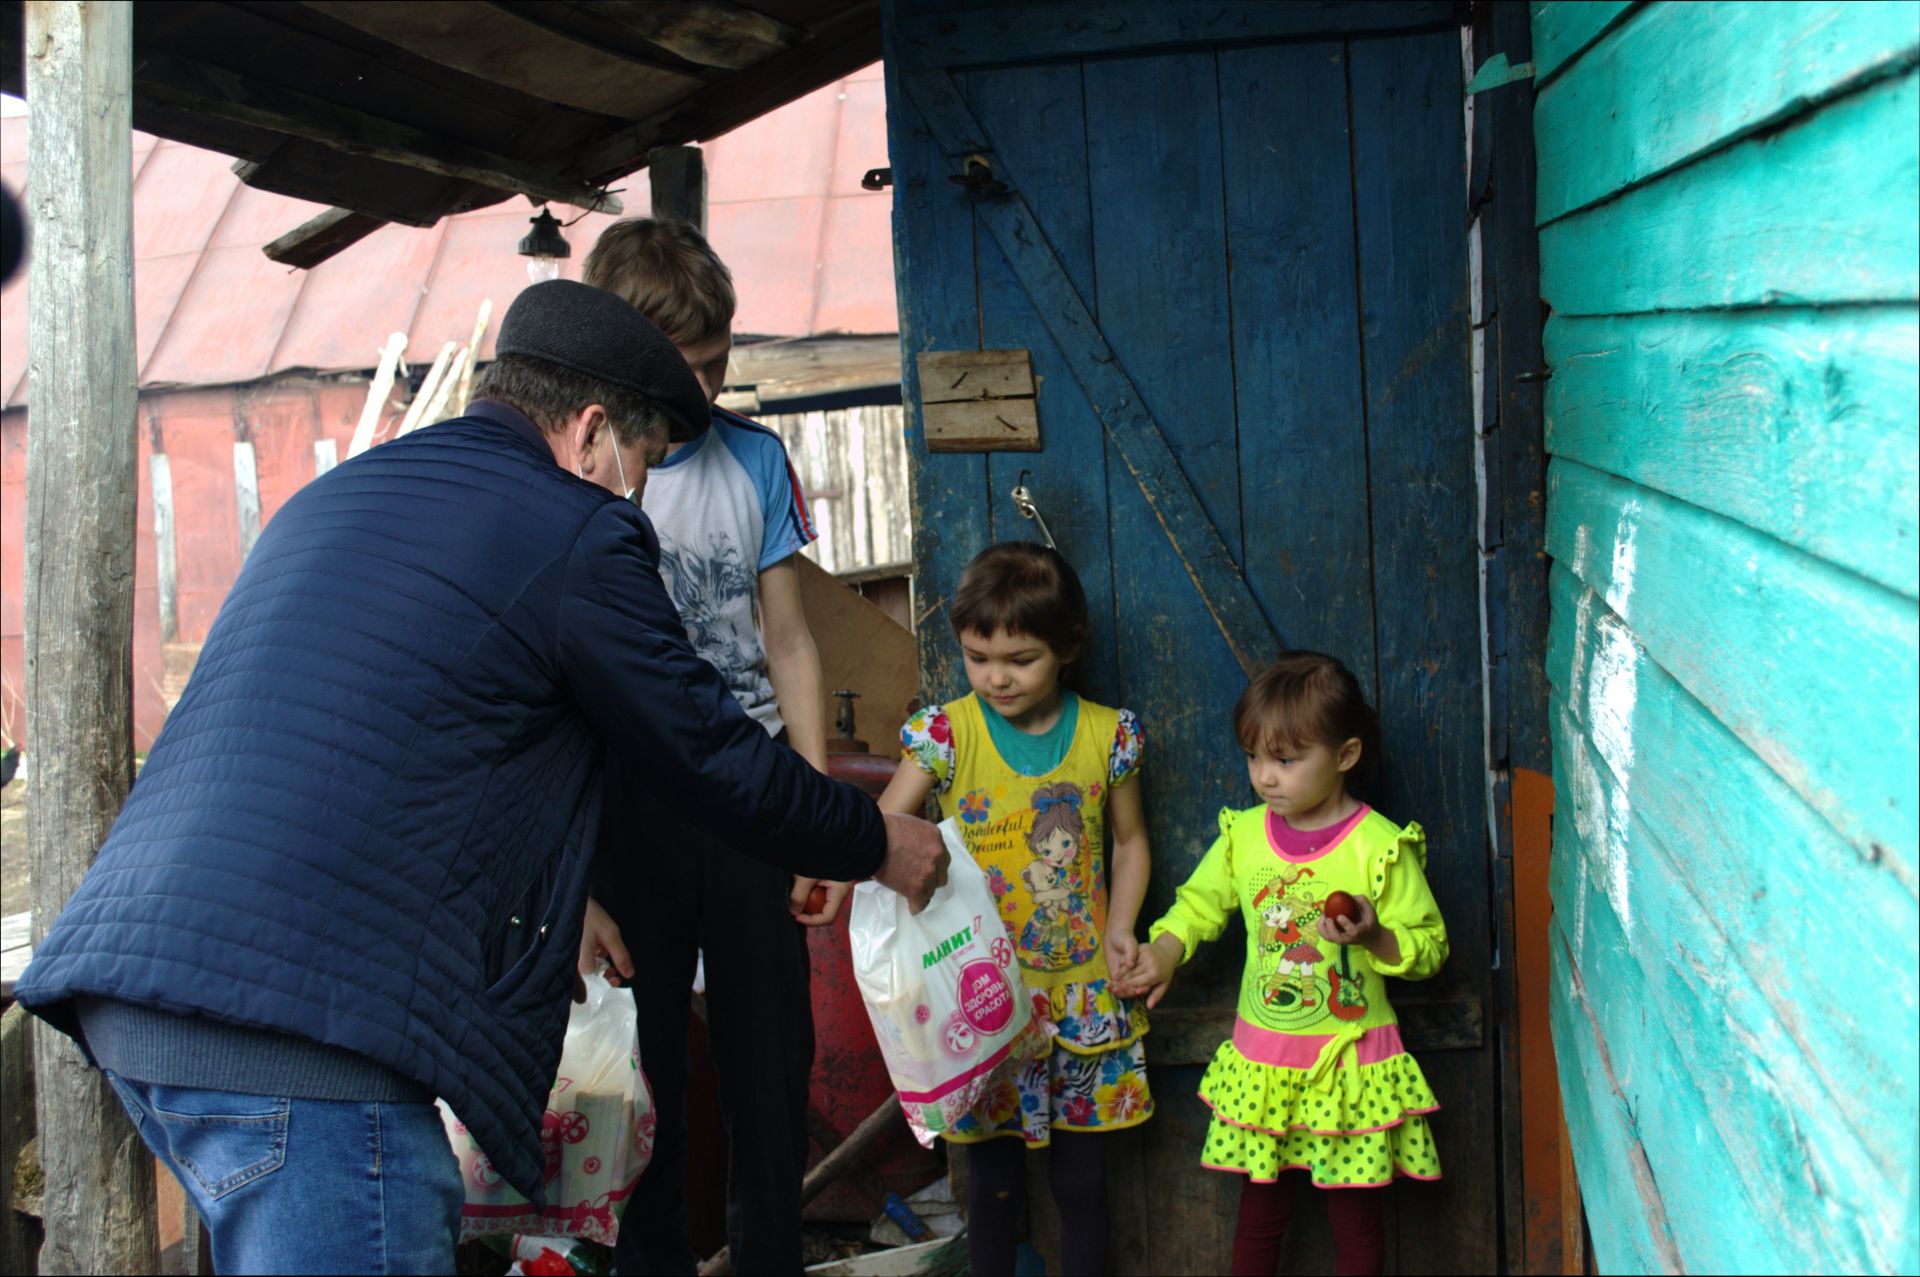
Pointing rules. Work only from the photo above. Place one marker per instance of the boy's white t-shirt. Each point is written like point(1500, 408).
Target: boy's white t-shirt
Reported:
point(726, 507)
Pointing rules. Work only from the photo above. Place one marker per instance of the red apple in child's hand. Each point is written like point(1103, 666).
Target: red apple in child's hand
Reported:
point(817, 898)
point(1339, 904)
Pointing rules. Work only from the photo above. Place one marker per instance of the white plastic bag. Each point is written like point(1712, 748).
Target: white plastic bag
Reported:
point(943, 991)
point(597, 1135)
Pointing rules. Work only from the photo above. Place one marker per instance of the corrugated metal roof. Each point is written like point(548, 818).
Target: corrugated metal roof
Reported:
point(809, 249)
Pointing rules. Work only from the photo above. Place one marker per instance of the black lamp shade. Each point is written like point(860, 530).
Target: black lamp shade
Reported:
point(545, 240)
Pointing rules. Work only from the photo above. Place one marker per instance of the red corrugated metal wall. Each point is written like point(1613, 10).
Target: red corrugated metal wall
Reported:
point(196, 430)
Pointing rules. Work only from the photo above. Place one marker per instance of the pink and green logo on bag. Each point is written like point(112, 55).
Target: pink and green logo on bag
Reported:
point(947, 948)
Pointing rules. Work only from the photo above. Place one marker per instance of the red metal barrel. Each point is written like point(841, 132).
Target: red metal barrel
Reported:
point(849, 1078)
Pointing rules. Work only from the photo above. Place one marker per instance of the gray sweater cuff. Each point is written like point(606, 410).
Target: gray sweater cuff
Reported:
point(164, 1049)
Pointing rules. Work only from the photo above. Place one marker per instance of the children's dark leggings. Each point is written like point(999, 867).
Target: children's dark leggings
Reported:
point(997, 1189)
point(1357, 1216)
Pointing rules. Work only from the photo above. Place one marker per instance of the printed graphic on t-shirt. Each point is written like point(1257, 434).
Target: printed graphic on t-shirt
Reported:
point(1047, 900)
point(1295, 984)
point(714, 594)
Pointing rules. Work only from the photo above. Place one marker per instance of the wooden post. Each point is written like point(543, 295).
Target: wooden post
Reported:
point(81, 486)
point(678, 177)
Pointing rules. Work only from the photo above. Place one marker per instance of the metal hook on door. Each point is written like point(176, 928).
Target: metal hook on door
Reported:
point(1023, 502)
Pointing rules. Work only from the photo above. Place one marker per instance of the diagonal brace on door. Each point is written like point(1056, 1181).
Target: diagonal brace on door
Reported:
point(1110, 391)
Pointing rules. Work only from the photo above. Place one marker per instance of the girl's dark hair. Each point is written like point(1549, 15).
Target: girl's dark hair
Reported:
point(1023, 588)
point(1302, 699)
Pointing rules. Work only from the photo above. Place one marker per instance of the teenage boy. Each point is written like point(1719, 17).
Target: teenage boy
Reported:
point(730, 517)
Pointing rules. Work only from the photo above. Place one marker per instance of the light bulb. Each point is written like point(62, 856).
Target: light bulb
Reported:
point(542, 269)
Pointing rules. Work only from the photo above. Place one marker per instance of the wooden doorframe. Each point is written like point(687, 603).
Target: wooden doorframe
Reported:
point(1538, 1234)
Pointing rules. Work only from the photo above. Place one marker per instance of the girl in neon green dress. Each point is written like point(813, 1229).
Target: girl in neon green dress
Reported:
point(1038, 778)
point(1315, 1077)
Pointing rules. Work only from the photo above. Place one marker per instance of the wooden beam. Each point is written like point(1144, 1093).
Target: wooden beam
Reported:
point(714, 34)
point(318, 238)
point(1072, 28)
point(495, 44)
point(80, 525)
point(181, 85)
point(832, 50)
point(677, 176)
point(867, 361)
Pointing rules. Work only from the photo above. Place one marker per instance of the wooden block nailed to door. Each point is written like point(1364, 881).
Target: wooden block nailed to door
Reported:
point(979, 401)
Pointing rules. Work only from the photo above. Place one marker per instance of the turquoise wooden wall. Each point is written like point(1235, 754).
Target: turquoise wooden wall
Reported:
point(1728, 202)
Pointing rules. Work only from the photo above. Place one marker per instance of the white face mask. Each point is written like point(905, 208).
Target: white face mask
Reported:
point(621, 466)
point(627, 492)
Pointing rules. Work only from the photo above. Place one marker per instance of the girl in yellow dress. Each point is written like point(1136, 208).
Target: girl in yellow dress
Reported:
point(1315, 1077)
point(1038, 777)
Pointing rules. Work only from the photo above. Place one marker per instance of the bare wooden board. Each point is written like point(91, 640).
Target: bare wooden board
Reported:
point(950, 375)
point(979, 401)
point(983, 425)
point(861, 648)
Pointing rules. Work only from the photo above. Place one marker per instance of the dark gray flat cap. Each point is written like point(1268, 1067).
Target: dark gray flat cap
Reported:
point(591, 331)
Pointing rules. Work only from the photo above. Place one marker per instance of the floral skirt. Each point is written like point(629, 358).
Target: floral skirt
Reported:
point(1068, 1090)
point(1094, 1079)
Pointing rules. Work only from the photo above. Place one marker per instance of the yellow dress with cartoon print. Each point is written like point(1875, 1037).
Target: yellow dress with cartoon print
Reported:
point(1315, 1077)
point(1041, 841)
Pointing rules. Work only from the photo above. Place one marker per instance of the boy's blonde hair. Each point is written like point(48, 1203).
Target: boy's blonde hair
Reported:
point(666, 270)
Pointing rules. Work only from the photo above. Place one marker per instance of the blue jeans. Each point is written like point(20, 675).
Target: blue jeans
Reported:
point(307, 1186)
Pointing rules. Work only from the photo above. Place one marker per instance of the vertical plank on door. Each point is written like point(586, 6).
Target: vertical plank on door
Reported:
point(1303, 461)
point(1159, 240)
point(1037, 120)
point(1297, 375)
point(1153, 136)
point(1410, 227)
point(933, 253)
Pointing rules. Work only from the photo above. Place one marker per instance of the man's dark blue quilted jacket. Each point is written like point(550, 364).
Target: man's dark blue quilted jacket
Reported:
point(390, 751)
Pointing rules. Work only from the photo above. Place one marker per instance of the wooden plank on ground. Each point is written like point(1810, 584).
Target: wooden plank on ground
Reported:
point(940, 310)
point(1037, 116)
point(1823, 212)
point(1410, 196)
point(1682, 80)
point(1801, 423)
point(1771, 640)
point(1562, 29)
point(1068, 29)
point(1296, 346)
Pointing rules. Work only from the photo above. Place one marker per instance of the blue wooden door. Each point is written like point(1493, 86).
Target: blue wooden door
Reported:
point(1233, 242)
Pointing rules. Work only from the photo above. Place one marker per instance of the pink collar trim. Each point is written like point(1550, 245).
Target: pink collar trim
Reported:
point(1298, 846)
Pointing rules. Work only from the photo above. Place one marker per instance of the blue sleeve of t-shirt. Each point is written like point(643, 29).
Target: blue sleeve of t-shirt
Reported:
point(787, 526)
